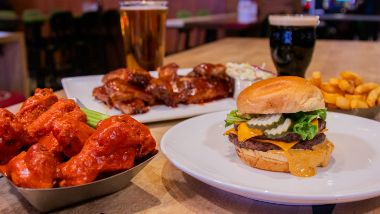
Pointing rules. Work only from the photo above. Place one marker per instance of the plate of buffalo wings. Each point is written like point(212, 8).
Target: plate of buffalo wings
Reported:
point(50, 154)
point(165, 94)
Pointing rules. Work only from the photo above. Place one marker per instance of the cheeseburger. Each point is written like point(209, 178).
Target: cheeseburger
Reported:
point(279, 126)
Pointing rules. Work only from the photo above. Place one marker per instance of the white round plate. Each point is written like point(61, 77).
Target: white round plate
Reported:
point(197, 146)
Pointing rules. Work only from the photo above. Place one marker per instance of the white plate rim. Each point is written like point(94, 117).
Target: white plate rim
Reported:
point(281, 198)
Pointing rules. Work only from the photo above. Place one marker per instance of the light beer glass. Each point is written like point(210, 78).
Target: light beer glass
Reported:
point(143, 26)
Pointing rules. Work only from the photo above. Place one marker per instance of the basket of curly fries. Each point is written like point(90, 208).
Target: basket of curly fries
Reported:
point(348, 93)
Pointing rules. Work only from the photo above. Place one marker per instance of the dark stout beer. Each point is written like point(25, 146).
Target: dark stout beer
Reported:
point(143, 27)
point(292, 40)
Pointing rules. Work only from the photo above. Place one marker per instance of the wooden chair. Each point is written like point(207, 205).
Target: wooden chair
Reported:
point(61, 49)
point(32, 20)
point(181, 14)
point(9, 20)
point(114, 45)
point(91, 43)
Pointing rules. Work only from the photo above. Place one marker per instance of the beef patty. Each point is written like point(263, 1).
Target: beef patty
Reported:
point(289, 137)
point(260, 146)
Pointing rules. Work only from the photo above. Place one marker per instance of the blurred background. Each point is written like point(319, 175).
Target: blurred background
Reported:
point(82, 37)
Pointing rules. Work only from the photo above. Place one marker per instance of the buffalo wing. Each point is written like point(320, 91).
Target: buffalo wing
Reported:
point(48, 143)
point(44, 123)
point(34, 106)
point(13, 136)
point(71, 133)
point(36, 168)
point(114, 146)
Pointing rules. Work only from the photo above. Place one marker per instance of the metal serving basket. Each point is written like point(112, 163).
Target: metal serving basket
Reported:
point(46, 200)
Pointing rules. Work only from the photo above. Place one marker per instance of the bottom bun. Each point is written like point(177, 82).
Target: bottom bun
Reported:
point(277, 160)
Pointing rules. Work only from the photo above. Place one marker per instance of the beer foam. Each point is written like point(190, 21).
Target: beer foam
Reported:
point(293, 20)
point(143, 5)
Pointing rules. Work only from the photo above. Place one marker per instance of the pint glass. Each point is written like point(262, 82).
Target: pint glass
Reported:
point(143, 25)
point(292, 40)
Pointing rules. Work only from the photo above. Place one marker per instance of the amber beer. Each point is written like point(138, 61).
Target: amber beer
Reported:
point(143, 25)
point(292, 40)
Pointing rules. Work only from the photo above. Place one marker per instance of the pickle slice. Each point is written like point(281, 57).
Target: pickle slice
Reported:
point(265, 121)
point(280, 129)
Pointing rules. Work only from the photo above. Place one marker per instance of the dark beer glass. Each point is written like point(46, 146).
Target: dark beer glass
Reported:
point(292, 40)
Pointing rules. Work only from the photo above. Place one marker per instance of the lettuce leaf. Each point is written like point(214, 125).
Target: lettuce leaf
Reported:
point(234, 116)
point(302, 123)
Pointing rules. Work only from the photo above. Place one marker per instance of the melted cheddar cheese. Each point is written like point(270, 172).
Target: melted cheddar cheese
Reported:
point(229, 131)
point(315, 122)
point(244, 132)
point(302, 163)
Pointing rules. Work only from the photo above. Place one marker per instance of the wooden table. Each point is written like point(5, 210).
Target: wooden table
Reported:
point(13, 65)
point(161, 188)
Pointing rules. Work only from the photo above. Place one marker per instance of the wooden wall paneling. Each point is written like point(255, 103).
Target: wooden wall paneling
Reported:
point(267, 7)
point(213, 6)
point(231, 6)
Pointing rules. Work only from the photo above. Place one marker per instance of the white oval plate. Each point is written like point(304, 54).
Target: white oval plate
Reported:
point(197, 146)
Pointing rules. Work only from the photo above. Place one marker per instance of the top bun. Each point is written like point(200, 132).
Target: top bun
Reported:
point(286, 94)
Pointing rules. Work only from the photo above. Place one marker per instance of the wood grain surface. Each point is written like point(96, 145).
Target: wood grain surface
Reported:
point(161, 188)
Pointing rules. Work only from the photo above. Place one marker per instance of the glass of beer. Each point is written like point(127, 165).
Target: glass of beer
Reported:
point(292, 40)
point(143, 26)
